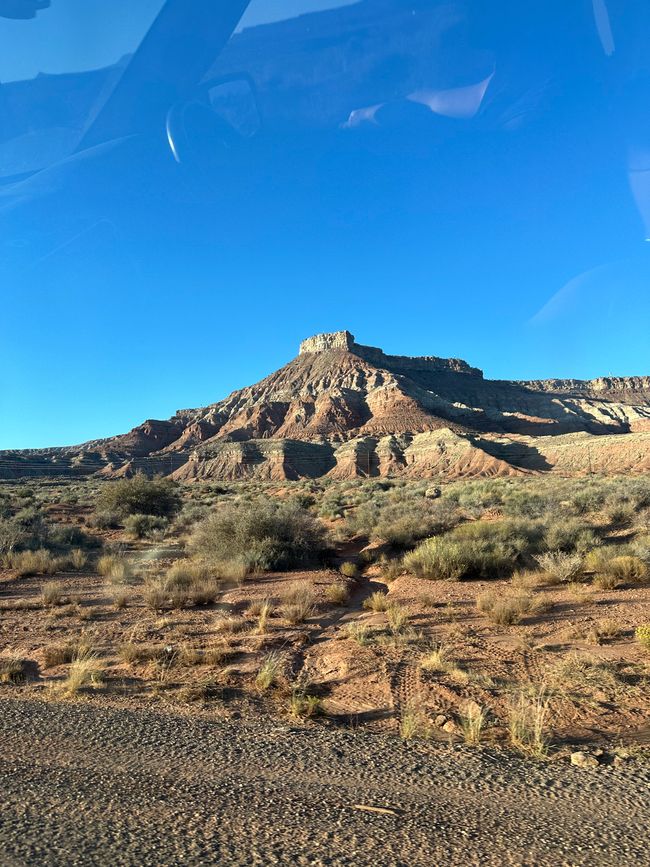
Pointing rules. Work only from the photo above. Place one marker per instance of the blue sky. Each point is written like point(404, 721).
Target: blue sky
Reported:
point(521, 250)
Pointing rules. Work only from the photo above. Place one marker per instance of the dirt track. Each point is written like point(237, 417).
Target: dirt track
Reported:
point(84, 785)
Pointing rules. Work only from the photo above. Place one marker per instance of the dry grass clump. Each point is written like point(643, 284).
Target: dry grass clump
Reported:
point(263, 610)
point(28, 563)
point(391, 569)
point(116, 569)
point(185, 584)
point(337, 593)
point(642, 635)
point(376, 602)
point(230, 624)
point(506, 610)
point(52, 593)
point(437, 660)
point(269, 671)
point(121, 599)
point(413, 722)
point(63, 654)
point(398, 619)
point(304, 706)
point(613, 569)
point(605, 630)
point(472, 723)
point(194, 693)
point(77, 559)
point(560, 566)
point(12, 670)
point(84, 672)
point(582, 672)
point(526, 579)
point(528, 723)
point(350, 570)
point(358, 632)
point(298, 602)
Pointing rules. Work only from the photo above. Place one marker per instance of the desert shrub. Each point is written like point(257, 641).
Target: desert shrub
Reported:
point(105, 520)
point(614, 568)
point(629, 569)
point(642, 635)
point(560, 565)
point(337, 593)
point(404, 524)
point(269, 671)
point(12, 535)
point(86, 671)
point(349, 570)
point(439, 558)
point(52, 593)
point(528, 724)
point(145, 526)
point(298, 602)
point(190, 514)
point(13, 670)
point(140, 496)
point(398, 619)
point(263, 535)
point(304, 706)
point(570, 535)
point(62, 654)
point(376, 602)
point(116, 569)
point(28, 563)
point(66, 536)
point(25, 530)
point(478, 550)
point(505, 610)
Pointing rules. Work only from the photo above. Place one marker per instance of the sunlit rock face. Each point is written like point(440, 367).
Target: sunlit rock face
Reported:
point(344, 410)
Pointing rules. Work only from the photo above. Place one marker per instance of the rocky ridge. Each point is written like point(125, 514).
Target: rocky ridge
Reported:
point(344, 410)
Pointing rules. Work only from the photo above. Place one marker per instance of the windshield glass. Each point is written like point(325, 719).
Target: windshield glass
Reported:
point(72, 36)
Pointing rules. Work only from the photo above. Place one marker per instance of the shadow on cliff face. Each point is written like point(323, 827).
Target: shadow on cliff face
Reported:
point(521, 455)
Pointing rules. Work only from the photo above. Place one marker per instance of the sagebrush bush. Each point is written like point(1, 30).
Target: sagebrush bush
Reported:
point(439, 558)
point(145, 526)
point(139, 496)
point(562, 566)
point(262, 535)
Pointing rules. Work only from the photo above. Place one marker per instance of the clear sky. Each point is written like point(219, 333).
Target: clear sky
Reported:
point(504, 224)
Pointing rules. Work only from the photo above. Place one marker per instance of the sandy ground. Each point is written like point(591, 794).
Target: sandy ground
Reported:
point(84, 784)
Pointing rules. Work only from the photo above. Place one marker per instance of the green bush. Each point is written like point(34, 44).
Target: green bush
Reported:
point(140, 496)
point(439, 558)
point(144, 526)
point(476, 550)
point(262, 534)
point(570, 535)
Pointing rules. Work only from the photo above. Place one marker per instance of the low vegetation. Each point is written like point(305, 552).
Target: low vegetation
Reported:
point(448, 598)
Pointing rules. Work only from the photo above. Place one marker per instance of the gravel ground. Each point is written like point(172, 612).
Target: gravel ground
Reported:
point(84, 785)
